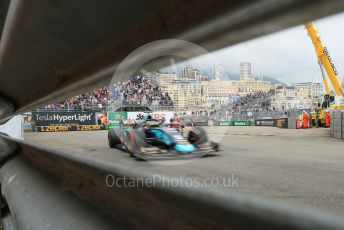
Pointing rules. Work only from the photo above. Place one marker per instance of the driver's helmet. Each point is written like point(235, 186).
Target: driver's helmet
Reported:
point(152, 123)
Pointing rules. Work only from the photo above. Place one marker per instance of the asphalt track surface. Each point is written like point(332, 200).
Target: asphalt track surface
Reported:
point(300, 167)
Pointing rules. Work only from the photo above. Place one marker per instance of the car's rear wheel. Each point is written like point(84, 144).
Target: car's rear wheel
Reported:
point(131, 143)
point(197, 136)
point(135, 140)
point(113, 139)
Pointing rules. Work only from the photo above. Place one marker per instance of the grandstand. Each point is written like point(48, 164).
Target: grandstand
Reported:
point(134, 93)
point(138, 94)
point(251, 106)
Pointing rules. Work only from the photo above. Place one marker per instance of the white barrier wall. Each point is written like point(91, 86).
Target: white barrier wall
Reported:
point(13, 128)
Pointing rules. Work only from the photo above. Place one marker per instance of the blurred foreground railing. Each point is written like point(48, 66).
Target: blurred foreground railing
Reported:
point(42, 185)
point(53, 50)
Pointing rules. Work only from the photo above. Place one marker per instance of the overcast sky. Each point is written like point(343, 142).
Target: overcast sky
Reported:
point(288, 56)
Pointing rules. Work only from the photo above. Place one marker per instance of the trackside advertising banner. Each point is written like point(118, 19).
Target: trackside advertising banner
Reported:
point(281, 122)
point(241, 123)
point(89, 121)
point(115, 118)
point(64, 121)
point(167, 115)
point(265, 122)
point(109, 120)
point(224, 123)
point(235, 123)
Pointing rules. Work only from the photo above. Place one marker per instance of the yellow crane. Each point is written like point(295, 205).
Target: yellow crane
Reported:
point(325, 62)
point(331, 100)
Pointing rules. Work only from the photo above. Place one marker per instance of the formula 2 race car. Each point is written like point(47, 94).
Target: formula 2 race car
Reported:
point(150, 140)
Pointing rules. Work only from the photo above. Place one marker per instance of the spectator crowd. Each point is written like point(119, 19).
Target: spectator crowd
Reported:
point(134, 92)
point(138, 91)
point(250, 100)
point(240, 106)
point(93, 100)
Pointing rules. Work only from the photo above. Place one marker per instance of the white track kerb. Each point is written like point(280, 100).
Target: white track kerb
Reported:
point(172, 49)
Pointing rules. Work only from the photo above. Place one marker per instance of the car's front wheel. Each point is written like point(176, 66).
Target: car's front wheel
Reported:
point(197, 136)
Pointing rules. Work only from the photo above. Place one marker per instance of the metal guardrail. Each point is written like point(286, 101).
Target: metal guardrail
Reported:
point(47, 189)
point(42, 195)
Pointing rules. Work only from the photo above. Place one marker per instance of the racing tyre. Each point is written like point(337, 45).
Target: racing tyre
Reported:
point(130, 143)
point(135, 140)
point(215, 146)
point(113, 139)
point(197, 136)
